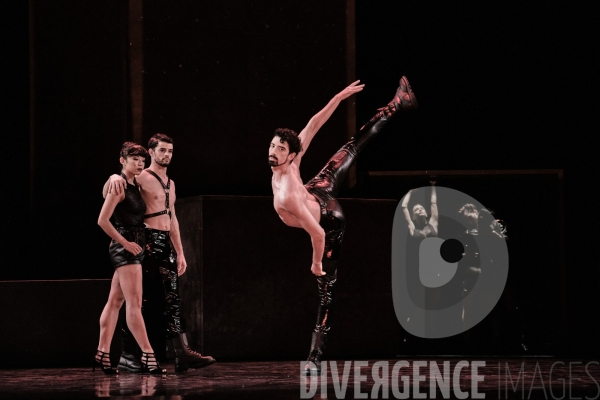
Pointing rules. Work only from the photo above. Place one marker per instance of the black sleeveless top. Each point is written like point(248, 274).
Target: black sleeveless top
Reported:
point(427, 231)
point(130, 212)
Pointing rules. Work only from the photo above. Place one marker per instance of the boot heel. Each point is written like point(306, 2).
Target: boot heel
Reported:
point(313, 363)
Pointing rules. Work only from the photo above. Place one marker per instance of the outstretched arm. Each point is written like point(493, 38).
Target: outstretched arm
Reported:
point(411, 225)
point(317, 121)
point(433, 221)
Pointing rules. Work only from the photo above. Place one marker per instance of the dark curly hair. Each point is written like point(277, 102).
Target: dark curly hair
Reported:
point(486, 219)
point(130, 149)
point(290, 137)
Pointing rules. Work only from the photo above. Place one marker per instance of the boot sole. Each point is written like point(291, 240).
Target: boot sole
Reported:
point(129, 369)
point(194, 366)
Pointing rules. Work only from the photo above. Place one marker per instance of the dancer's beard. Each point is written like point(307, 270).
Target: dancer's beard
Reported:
point(163, 163)
point(273, 162)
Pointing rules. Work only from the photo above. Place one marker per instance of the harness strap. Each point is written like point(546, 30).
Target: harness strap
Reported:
point(166, 188)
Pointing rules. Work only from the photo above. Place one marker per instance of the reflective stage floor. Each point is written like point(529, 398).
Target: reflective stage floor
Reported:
point(492, 378)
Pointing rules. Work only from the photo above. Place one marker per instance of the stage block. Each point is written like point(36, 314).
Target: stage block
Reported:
point(52, 323)
point(248, 291)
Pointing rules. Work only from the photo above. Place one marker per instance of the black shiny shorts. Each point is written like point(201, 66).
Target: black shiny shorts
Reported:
point(117, 253)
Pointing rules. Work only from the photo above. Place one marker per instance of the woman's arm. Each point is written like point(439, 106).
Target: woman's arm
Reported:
point(411, 225)
point(433, 221)
point(110, 202)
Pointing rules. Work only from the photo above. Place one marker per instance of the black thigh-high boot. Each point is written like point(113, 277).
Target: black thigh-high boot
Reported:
point(334, 224)
point(403, 100)
point(326, 286)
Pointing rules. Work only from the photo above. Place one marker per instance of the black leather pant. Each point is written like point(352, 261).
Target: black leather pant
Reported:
point(161, 282)
point(160, 300)
point(325, 188)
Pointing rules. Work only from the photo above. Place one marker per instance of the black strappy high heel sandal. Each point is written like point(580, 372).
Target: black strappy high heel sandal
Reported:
point(102, 360)
point(150, 365)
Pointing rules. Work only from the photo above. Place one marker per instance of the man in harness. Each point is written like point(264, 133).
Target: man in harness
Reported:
point(164, 260)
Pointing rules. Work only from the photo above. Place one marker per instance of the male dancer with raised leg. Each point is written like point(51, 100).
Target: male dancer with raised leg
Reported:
point(314, 207)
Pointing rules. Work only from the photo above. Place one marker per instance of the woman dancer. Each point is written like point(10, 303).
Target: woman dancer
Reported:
point(126, 253)
point(418, 224)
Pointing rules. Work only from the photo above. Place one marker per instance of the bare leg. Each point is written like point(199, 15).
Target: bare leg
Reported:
point(130, 279)
point(110, 314)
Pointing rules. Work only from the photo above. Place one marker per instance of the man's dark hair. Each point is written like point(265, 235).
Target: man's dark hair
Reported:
point(468, 207)
point(486, 219)
point(290, 137)
point(158, 137)
point(130, 149)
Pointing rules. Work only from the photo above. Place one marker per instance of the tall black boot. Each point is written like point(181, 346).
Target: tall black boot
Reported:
point(403, 100)
point(326, 285)
point(186, 357)
point(317, 345)
point(130, 353)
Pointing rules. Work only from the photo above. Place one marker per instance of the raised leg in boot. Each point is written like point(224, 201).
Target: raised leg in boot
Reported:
point(403, 100)
point(330, 178)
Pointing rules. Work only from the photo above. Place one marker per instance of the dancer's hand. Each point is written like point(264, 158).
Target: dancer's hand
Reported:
point(317, 269)
point(350, 90)
point(133, 248)
point(181, 264)
point(116, 184)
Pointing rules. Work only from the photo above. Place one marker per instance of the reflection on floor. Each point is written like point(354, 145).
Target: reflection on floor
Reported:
point(515, 378)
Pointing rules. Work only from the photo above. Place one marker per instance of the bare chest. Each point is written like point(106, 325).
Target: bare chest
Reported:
point(156, 196)
point(281, 203)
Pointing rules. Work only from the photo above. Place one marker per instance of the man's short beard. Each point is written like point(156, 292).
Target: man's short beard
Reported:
point(275, 162)
point(162, 164)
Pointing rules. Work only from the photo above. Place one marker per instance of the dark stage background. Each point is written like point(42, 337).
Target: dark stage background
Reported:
point(506, 87)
